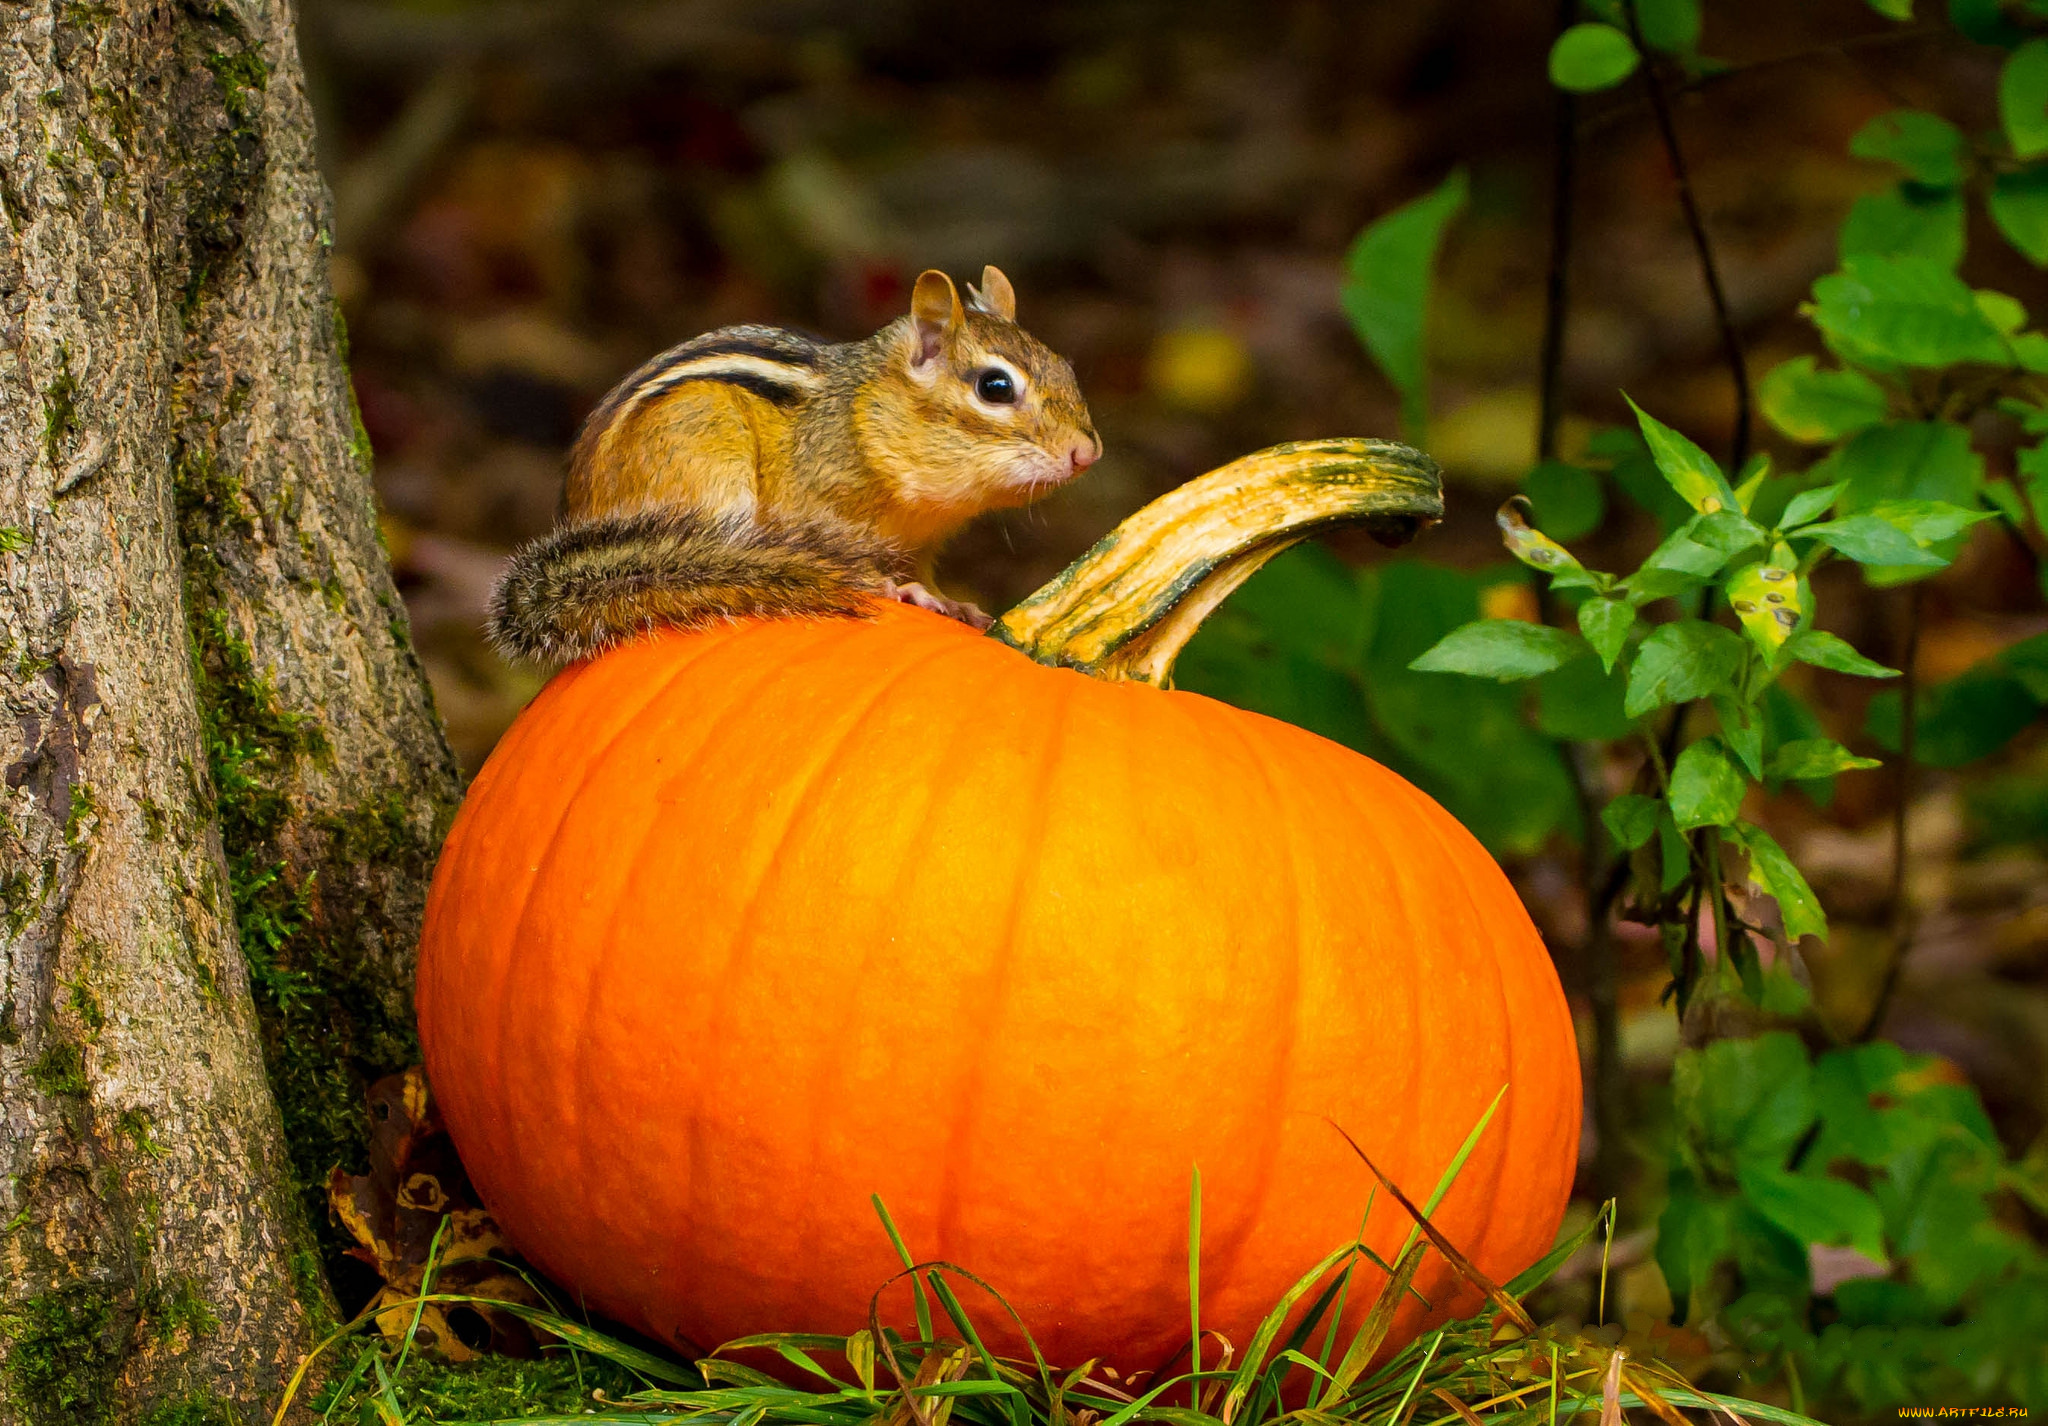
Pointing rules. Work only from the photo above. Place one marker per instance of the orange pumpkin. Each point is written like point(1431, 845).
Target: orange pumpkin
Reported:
point(739, 927)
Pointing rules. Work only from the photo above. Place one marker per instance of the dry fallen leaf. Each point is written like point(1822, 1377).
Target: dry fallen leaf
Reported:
point(393, 1212)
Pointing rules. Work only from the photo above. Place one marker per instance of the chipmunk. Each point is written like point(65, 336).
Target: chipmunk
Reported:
point(756, 471)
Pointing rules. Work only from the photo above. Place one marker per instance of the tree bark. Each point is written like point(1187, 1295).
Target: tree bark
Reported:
point(224, 780)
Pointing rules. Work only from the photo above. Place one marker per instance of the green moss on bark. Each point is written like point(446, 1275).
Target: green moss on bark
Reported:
point(63, 1352)
point(59, 1069)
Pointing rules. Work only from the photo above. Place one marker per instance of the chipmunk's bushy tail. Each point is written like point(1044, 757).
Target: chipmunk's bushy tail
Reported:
point(587, 586)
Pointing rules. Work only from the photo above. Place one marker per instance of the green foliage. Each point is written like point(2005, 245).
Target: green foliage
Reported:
point(1386, 292)
point(1864, 1148)
point(1974, 714)
point(1863, 1151)
point(2023, 99)
point(1816, 406)
point(1928, 148)
point(1591, 57)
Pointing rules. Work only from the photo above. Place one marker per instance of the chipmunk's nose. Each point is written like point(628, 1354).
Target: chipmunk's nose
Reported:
point(1085, 452)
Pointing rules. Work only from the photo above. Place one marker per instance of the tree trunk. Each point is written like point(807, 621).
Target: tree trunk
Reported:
point(224, 781)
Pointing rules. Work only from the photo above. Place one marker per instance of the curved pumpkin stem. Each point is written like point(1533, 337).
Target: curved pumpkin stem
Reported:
point(1124, 610)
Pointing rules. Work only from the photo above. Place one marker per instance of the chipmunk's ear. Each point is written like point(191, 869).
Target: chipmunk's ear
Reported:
point(995, 296)
point(935, 314)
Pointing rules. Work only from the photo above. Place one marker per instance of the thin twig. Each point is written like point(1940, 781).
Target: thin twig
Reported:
point(1564, 162)
point(1603, 995)
point(1899, 909)
point(1601, 876)
point(1615, 114)
point(1731, 345)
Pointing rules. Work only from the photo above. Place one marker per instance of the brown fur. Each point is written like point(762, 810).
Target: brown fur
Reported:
point(806, 456)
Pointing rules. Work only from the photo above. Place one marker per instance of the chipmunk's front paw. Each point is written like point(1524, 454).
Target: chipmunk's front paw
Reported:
point(915, 593)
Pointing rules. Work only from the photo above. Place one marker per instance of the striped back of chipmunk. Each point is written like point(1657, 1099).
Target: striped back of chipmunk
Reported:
point(779, 367)
point(776, 365)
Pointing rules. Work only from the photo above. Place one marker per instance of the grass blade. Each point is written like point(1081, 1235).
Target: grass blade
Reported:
point(1457, 1165)
point(1464, 1411)
point(1401, 1409)
point(1373, 1330)
point(1534, 1276)
point(1513, 1310)
point(1262, 1340)
point(924, 1308)
point(1195, 1289)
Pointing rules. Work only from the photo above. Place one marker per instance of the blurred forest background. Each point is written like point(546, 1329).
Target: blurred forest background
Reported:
point(533, 196)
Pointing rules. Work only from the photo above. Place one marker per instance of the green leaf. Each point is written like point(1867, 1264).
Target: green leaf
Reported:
point(1926, 521)
point(1972, 715)
point(1669, 25)
point(1691, 471)
point(1728, 531)
point(1631, 819)
point(1681, 661)
point(1581, 702)
point(1681, 562)
point(1742, 729)
point(1819, 406)
point(1773, 871)
point(1807, 504)
point(1907, 311)
point(1537, 550)
point(1591, 57)
point(1706, 786)
point(1464, 741)
point(1928, 148)
point(1825, 650)
point(1756, 474)
point(2019, 206)
point(1628, 462)
point(2023, 99)
point(1387, 281)
point(1906, 460)
point(1814, 757)
point(1745, 1100)
point(1815, 1210)
point(1985, 22)
point(2007, 313)
point(1692, 1241)
point(1868, 539)
point(1893, 9)
point(1906, 221)
point(1569, 499)
point(1506, 649)
point(1605, 623)
point(1766, 598)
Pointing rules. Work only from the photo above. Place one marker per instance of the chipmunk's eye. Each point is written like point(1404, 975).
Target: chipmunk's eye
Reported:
point(995, 386)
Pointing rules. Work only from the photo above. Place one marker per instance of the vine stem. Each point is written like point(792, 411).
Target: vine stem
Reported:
point(1899, 909)
point(1731, 345)
point(1564, 163)
point(1602, 875)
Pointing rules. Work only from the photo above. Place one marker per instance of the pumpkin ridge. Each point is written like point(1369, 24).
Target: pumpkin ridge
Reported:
point(494, 1034)
point(748, 902)
point(800, 802)
point(1029, 868)
point(1282, 1061)
point(1406, 1123)
point(579, 1075)
point(1502, 1130)
point(827, 1088)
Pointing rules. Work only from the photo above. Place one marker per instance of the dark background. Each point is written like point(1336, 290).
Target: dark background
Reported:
point(532, 197)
